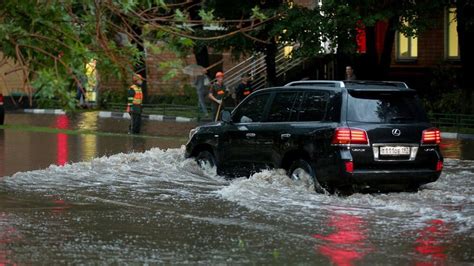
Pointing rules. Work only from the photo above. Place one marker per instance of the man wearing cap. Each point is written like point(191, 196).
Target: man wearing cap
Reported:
point(217, 91)
point(244, 88)
point(134, 106)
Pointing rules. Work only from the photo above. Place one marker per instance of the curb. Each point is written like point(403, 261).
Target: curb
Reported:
point(45, 111)
point(107, 114)
point(460, 136)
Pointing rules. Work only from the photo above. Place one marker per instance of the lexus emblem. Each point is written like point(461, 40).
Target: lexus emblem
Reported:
point(396, 132)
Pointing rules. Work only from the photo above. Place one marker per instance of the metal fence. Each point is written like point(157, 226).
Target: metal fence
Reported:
point(456, 121)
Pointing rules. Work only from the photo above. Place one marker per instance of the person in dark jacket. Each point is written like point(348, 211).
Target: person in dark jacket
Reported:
point(244, 88)
point(134, 105)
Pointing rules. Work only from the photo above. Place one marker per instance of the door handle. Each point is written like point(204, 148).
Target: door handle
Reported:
point(285, 136)
point(250, 135)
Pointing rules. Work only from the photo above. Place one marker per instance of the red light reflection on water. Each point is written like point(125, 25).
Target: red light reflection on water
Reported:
point(347, 243)
point(429, 243)
point(62, 122)
point(451, 148)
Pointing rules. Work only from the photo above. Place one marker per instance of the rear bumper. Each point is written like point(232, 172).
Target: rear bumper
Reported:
point(400, 177)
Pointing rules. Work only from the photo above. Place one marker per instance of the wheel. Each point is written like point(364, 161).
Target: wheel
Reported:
point(206, 159)
point(303, 173)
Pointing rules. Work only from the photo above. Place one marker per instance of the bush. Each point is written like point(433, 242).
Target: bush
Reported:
point(188, 97)
point(112, 96)
point(448, 102)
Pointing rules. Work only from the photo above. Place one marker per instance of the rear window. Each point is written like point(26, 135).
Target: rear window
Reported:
point(385, 107)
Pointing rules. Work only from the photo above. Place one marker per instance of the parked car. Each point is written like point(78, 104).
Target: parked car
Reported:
point(359, 135)
point(2, 110)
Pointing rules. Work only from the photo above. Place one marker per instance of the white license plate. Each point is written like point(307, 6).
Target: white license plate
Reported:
point(398, 150)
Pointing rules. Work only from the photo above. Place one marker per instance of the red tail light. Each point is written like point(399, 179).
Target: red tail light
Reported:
point(431, 136)
point(344, 135)
point(349, 167)
point(439, 166)
point(1, 99)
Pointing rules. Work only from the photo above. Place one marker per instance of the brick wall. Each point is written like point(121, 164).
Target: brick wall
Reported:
point(430, 46)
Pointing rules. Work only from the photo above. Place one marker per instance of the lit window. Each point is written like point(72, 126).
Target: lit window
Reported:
point(452, 43)
point(407, 46)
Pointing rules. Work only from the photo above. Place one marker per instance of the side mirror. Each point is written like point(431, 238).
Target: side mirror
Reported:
point(226, 118)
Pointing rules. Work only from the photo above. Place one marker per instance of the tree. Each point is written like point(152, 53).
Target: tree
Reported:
point(465, 19)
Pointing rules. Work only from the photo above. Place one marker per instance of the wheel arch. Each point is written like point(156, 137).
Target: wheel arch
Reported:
point(292, 156)
point(202, 147)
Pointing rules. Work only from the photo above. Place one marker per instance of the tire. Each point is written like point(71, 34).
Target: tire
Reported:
point(302, 172)
point(205, 157)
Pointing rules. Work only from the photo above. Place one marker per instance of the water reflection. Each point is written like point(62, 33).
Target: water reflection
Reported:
point(348, 241)
point(2, 153)
point(429, 243)
point(62, 122)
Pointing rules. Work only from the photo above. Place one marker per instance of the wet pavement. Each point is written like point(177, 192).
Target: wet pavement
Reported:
point(153, 206)
point(28, 148)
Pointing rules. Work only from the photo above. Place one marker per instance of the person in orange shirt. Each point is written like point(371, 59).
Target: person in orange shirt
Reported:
point(217, 92)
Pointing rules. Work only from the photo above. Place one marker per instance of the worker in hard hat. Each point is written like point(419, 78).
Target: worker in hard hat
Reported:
point(134, 106)
point(217, 92)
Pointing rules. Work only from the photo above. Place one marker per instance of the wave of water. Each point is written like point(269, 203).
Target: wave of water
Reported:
point(161, 176)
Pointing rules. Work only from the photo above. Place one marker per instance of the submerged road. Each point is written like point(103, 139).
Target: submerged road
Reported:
point(153, 206)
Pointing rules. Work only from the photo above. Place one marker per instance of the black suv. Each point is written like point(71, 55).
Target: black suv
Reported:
point(359, 135)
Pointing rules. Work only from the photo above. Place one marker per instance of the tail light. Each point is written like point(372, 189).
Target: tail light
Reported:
point(431, 136)
point(349, 167)
point(1, 99)
point(344, 136)
point(439, 166)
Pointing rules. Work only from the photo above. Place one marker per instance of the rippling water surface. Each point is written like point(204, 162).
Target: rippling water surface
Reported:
point(157, 207)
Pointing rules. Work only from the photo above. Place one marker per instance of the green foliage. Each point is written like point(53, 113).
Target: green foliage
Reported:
point(112, 96)
point(448, 102)
point(258, 14)
point(207, 16)
point(53, 92)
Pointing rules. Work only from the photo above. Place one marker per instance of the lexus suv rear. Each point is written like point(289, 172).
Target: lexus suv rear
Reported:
point(359, 135)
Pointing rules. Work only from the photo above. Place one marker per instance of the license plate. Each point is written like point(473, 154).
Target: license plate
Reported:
point(398, 150)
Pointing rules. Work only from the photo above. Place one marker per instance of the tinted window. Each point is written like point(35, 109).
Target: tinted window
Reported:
point(385, 107)
point(282, 107)
point(251, 110)
point(314, 106)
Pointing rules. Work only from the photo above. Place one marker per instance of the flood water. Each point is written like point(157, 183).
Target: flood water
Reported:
point(153, 206)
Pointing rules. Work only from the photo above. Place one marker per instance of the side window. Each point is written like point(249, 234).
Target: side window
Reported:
point(252, 110)
point(314, 106)
point(282, 107)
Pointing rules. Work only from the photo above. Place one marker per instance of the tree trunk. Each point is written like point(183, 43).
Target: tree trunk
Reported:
point(370, 69)
point(465, 19)
point(271, 52)
point(386, 57)
point(202, 56)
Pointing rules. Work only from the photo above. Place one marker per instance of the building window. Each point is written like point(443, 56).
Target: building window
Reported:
point(452, 42)
point(407, 47)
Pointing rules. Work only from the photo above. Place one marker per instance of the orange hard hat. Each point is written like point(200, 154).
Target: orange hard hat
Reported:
point(137, 77)
point(219, 74)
